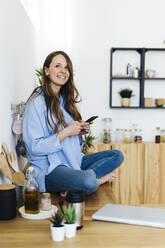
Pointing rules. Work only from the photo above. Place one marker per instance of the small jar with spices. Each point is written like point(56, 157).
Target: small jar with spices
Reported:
point(157, 135)
point(163, 135)
point(127, 136)
point(45, 203)
point(138, 136)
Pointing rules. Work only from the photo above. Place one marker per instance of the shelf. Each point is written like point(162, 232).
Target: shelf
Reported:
point(125, 78)
point(154, 78)
point(136, 107)
point(142, 79)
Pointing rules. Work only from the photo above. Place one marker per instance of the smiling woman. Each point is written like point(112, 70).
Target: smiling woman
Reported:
point(52, 132)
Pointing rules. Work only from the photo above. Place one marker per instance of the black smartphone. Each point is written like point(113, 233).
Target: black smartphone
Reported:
point(92, 118)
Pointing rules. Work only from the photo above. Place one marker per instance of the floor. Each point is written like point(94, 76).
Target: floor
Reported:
point(23, 233)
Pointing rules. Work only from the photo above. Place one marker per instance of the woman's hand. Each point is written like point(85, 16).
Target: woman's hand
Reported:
point(85, 127)
point(74, 128)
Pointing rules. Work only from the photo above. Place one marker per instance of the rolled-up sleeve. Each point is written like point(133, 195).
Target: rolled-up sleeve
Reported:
point(37, 140)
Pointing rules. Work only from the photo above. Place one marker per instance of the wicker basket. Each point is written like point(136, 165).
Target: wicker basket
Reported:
point(148, 102)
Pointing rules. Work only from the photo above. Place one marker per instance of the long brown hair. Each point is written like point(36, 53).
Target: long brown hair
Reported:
point(68, 91)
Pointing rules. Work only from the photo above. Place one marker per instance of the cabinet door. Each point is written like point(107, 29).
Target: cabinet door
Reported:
point(129, 188)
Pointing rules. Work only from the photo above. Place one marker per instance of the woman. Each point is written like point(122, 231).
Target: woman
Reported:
point(52, 132)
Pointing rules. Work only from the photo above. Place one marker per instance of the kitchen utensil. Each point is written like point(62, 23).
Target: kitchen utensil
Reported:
point(4, 167)
point(18, 178)
point(12, 159)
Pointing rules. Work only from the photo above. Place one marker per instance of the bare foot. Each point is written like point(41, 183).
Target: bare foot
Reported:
point(63, 194)
point(107, 178)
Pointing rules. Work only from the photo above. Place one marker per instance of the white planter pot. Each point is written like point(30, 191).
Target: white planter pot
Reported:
point(70, 230)
point(57, 233)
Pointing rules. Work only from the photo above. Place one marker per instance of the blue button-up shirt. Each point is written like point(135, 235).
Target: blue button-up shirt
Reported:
point(45, 151)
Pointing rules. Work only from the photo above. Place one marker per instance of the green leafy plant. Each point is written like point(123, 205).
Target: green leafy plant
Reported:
point(57, 219)
point(88, 142)
point(126, 93)
point(39, 74)
point(69, 214)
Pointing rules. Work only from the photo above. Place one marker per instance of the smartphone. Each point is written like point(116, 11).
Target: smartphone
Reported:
point(92, 118)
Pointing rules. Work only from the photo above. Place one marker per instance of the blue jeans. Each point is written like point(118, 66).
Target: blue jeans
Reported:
point(93, 166)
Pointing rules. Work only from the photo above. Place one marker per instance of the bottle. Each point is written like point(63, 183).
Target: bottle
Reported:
point(157, 135)
point(45, 201)
point(31, 193)
point(107, 136)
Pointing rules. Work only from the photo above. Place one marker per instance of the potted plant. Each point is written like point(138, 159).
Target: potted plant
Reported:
point(126, 95)
point(88, 143)
point(70, 219)
point(57, 227)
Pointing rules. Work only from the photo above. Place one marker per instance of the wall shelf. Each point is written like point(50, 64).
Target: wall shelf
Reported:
point(113, 79)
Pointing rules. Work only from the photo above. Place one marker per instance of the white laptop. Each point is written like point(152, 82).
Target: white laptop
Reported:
point(144, 216)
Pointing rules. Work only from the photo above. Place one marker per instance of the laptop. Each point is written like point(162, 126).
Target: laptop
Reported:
point(144, 216)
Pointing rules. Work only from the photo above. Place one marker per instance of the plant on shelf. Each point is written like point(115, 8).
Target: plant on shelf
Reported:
point(70, 219)
point(88, 143)
point(39, 74)
point(126, 95)
point(57, 227)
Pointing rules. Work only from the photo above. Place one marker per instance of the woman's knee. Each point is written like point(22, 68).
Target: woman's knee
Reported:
point(90, 182)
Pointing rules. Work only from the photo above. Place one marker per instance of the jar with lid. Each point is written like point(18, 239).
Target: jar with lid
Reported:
point(138, 136)
point(119, 135)
point(45, 203)
point(31, 193)
point(157, 135)
point(127, 136)
point(106, 130)
point(163, 135)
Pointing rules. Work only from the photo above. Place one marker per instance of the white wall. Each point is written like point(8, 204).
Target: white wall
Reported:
point(17, 60)
point(87, 29)
point(100, 25)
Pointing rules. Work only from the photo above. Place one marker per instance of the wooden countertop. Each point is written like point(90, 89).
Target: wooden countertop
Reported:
point(23, 233)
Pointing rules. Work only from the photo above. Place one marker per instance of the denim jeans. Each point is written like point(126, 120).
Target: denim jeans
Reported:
point(93, 166)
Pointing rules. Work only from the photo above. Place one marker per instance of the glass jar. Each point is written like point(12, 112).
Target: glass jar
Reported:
point(157, 135)
point(163, 135)
point(107, 136)
point(127, 136)
point(31, 193)
point(138, 136)
point(45, 201)
point(106, 130)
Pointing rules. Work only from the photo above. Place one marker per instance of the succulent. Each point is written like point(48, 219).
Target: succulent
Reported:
point(69, 214)
point(88, 142)
point(57, 219)
point(126, 93)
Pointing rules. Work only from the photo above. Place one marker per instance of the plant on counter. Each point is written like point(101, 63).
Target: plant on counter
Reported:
point(70, 218)
point(88, 143)
point(57, 227)
point(126, 94)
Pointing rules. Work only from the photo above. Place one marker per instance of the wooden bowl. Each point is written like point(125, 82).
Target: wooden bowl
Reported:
point(159, 102)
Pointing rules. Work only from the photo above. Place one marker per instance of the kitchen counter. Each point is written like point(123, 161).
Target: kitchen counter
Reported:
point(23, 233)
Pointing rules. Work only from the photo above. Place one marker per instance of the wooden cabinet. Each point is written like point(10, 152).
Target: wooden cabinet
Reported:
point(141, 177)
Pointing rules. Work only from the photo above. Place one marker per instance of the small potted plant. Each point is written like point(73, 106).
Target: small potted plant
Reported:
point(88, 143)
point(57, 227)
point(70, 219)
point(126, 95)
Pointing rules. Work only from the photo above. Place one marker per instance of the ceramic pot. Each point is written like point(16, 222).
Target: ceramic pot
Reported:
point(57, 233)
point(70, 230)
point(125, 102)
